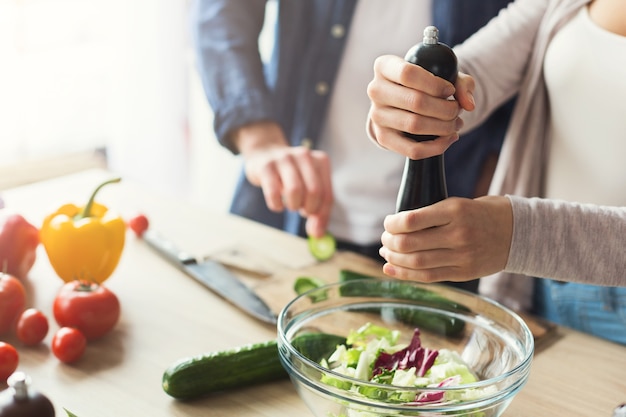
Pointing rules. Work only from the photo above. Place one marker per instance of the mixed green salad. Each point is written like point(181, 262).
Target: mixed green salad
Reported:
point(372, 353)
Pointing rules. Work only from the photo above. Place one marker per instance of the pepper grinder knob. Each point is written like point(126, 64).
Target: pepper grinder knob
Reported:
point(19, 382)
point(431, 35)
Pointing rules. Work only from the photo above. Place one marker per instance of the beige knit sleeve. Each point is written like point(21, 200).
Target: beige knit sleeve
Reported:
point(568, 241)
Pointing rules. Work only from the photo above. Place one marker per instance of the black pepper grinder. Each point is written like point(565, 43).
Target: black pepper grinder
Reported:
point(20, 400)
point(424, 180)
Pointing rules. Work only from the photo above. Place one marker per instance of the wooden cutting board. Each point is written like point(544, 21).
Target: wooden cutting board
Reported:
point(277, 290)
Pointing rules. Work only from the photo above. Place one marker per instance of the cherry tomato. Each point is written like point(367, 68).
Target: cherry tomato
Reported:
point(12, 301)
point(139, 224)
point(32, 327)
point(89, 307)
point(68, 344)
point(8, 361)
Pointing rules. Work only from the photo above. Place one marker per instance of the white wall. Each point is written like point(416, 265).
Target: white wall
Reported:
point(54, 57)
point(149, 139)
point(81, 74)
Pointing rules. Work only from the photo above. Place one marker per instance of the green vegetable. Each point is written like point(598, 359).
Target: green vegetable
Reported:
point(304, 284)
point(376, 356)
point(398, 289)
point(436, 322)
point(372, 286)
point(247, 365)
point(322, 248)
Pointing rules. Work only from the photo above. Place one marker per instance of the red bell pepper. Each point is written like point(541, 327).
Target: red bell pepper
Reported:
point(18, 244)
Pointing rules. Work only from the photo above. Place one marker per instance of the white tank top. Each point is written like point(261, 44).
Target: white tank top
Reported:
point(366, 178)
point(585, 72)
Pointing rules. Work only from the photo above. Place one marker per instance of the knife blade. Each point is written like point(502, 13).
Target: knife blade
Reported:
point(212, 275)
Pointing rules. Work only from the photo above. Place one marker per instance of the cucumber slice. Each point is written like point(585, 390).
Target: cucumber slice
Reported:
point(304, 284)
point(322, 248)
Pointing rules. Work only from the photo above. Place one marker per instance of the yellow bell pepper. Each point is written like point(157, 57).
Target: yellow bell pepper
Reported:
point(84, 243)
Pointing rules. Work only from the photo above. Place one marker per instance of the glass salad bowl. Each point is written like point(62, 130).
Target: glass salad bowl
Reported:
point(444, 351)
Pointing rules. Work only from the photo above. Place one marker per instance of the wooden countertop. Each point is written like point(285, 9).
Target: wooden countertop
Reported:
point(167, 316)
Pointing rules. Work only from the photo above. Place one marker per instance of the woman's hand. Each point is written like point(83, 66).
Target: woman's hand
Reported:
point(456, 239)
point(294, 178)
point(407, 98)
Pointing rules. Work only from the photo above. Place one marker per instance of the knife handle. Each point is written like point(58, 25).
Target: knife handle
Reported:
point(167, 249)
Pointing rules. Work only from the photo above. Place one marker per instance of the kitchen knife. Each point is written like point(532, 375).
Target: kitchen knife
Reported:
point(212, 275)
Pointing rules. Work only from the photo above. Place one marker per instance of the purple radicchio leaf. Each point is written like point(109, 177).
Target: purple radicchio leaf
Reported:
point(414, 355)
point(436, 396)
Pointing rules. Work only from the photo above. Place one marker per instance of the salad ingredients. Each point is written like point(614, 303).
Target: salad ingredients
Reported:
point(322, 248)
point(91, 308)
point(18, 244)
point(12, 301)
point(414, 356)
point(138, 224)
point(9, 358)
point(68, 344)
point(372, 353)
point(84, 243)
point(32, 327)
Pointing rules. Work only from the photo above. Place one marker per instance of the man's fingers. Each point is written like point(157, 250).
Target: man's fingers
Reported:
point(292, 182)
point(271, 185)
point(315, 172)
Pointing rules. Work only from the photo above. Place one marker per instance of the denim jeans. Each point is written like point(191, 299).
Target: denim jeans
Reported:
point(600, 311)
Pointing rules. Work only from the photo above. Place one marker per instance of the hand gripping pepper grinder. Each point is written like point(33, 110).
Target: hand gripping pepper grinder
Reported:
point(424, 180)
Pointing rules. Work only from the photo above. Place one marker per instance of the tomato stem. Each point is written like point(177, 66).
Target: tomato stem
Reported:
point(86, 286)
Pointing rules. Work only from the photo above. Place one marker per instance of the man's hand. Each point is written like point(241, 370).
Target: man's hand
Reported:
point(294, 178)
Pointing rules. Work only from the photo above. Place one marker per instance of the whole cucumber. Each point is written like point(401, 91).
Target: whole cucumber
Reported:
point(440, 323)
point(247, 365)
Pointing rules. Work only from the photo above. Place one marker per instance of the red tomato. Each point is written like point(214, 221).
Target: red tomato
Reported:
point(32, 327)
point(12, 301)
point(8, 361)
point(139, 224)
point(89, 307)
point(68, 344)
